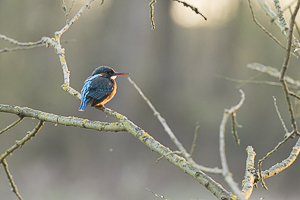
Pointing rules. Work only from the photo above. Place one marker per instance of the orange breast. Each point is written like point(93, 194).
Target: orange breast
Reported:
point(109, 97)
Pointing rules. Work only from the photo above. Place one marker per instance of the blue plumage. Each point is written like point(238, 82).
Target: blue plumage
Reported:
point(99, 88)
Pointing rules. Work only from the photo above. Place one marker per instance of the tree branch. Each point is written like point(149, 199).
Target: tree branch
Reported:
point(262, 27)
point(20, 143)
point(251, 177)
point(195, 139)
point(151, 5)
point(123, 125)
point(68, 121)
point(191, 7)
point(172, 135)
point(225, 170)
point(283, 27)
point(11, 181)
point(12, 125)
point(275, 169)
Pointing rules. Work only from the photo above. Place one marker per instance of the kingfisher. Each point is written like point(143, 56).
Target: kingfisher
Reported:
point(100, 87)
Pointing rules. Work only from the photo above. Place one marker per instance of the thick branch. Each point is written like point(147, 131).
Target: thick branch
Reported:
point(57, 119)
point(123, 125)
point(251, 176)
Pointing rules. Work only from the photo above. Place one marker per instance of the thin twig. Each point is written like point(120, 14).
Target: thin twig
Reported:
point(234, 124)
point(20, 143)
point(11, 181)
point(285, 66)
point(278, 167)
point(283, 28)
point(191, 7)
point(4, 50)
point(172, 136)
point(279, 115)
point(257, 82)
point(195, 139)
point(272, 72)
point(162, 121)
point(252, 78)
point(67, 11)
point(151, 5)
point(266, 156)
point(226, 173)
point(297, 102)
point(167, 154)
point(262, 27)
point(15, 42)
point(157, 195)
point(64, 7)
point(12, 125)
point(289, 42)
point(289, 5)
point(56, 44)
point(8, 50)
point(296, 25)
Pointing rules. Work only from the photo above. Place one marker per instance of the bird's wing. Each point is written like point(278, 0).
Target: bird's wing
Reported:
point(98, 87)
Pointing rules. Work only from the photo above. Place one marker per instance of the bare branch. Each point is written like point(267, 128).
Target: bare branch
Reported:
point(279, 166)
point(272, 15)
point(15, 42)
point(274, 73)
point(162, 121)
point(191, 7)
point(123, 124)
point(275, 169)
point(58, 119)
point(234, 124)
point(171, 134)
point(226, 173)
point(67, 11)
point(195, 139)
point(157, 195)
point(262, 27)
point(173, 152)
point(20, 143)
point(280, 14)
point(151, 4)
point(279, 115)
point(259, 82)
point(56, 44)
point(283, 28)
point(11, 181)
point(285, 66)
point(251, 177)
point(12, 125)
point(20, 48)
point(20, 45)
point(289, 42)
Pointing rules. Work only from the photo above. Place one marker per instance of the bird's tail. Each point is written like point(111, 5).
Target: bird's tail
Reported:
point(84, 103)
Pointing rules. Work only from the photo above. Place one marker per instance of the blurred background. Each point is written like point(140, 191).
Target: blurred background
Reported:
point(176, 66)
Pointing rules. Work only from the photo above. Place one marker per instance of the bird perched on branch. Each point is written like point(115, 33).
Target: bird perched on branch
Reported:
point(100, 87)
